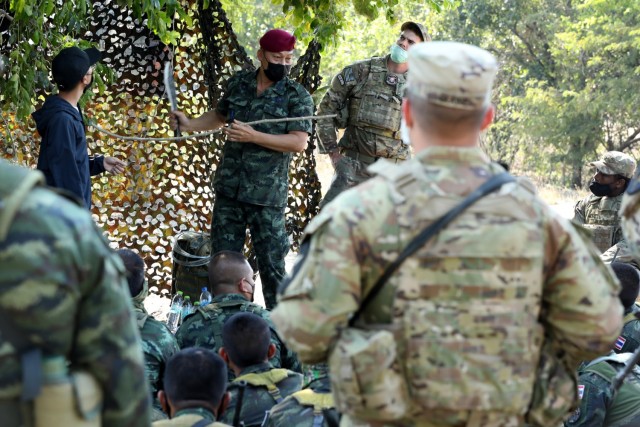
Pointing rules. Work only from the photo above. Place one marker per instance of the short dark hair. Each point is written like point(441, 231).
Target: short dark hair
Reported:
point(246, 338)
point(195, 373)
point(226, 268)
point(134, 264)
point(630, 282)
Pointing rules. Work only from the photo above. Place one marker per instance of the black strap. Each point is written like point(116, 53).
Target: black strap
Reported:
point(489, 186)
point(30, 357)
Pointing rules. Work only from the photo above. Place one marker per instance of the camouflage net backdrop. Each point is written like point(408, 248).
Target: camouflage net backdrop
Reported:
point(166, 187)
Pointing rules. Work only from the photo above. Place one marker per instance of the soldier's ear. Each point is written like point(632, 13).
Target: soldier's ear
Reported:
point(164, 404)
point(271, 351)
point(223, 353)
point(488, 117)
point(406, 112)
point(224, 403)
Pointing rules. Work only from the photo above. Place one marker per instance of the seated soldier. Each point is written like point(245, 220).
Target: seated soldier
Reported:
point(629, 339)
point(312, 406)
point(158, 344)
point(247, 348)
point(232, 285)
point(599, 404)
point(194, 389)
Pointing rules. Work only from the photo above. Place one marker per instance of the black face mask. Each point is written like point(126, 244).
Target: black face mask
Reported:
point(276, 72)
point(600, 190)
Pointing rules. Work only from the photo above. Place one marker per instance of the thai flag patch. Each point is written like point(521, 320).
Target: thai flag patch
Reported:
point(619, 343)
point(580, 391)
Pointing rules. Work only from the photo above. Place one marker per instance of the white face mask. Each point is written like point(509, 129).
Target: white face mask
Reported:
point(404, 133)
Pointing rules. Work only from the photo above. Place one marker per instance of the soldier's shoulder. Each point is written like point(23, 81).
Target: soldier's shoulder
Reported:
point(298, 89)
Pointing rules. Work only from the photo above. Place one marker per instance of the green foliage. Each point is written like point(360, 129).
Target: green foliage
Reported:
point(325, 20)
point(566, 91)
point(39, 28)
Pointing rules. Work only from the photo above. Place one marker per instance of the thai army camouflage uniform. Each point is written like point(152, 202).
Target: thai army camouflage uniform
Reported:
point(66, 290)
point(466, 307)
point(190, 417)
point(203, 328)
point(252, 182)
point(601, 215)
point(629, 339)
point(313, 406)
point(265, 386)
point(368, 101)
point(598, 406)
point(158, 345)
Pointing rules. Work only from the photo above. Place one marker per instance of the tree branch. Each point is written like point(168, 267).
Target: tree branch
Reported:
point(5, 15)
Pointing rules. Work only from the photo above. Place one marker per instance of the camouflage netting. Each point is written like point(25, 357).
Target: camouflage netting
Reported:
point(166, 188)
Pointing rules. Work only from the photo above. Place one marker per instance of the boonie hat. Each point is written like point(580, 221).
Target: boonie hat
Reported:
point(615, 163)
point(417, 28)
point(277, 40)
point(451, 74)
point(71, 64)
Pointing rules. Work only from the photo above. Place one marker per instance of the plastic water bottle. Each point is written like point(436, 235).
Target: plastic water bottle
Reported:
point(174, 317)
point(205, 297)
point(187, 307)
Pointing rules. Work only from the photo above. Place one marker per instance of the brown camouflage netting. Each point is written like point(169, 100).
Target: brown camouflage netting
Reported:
point(166, 188)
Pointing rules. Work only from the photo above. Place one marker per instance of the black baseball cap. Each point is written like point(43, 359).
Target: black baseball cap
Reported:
point(71, 64)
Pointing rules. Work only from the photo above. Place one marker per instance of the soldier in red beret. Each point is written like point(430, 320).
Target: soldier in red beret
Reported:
point(252, 179)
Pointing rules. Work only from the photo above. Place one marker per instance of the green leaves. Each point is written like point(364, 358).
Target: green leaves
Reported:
point(39, 28)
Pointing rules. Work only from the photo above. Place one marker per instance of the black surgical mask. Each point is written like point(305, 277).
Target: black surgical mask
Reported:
point(600, 190)
point(276, 72)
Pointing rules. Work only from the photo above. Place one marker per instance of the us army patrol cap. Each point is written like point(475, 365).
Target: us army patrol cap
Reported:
point(615, 163)
point(451, 74)
point(417, 28)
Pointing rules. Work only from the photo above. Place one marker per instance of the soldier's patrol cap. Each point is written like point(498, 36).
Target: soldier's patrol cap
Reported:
point(451, 74)
point(615, 163)
point(417, 28)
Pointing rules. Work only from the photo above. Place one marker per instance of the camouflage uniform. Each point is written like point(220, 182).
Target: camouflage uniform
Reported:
point(203, 328)
point(629, 339)
point(467, 306)
point(251, 182)
point(189, 417)
point(600, 215)
point(598, 406)
point(259, 399)
point(65, 289)
point(630, 217)
point(307, 407)
point(158, 345)
point(367, 99)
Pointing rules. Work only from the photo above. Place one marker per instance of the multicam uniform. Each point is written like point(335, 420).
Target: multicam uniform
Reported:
point(598, 405)
point(190, 417)
point(466, 308)
point(203, 328)
point(66, 290)
point(600, 215)
point(367, 99)
point(252, 182)
point(265, 387)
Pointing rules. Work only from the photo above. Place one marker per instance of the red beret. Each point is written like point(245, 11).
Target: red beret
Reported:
point(277, 41)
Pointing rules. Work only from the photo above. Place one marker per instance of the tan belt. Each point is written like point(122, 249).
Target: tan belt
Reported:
point(365, 158)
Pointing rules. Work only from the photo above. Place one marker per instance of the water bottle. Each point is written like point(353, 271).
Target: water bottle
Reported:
point(174, 317)
point(205, 297)
point(187, 307)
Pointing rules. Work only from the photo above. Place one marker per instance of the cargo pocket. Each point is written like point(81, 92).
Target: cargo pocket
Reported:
point(380, 111)
point(365, 377)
